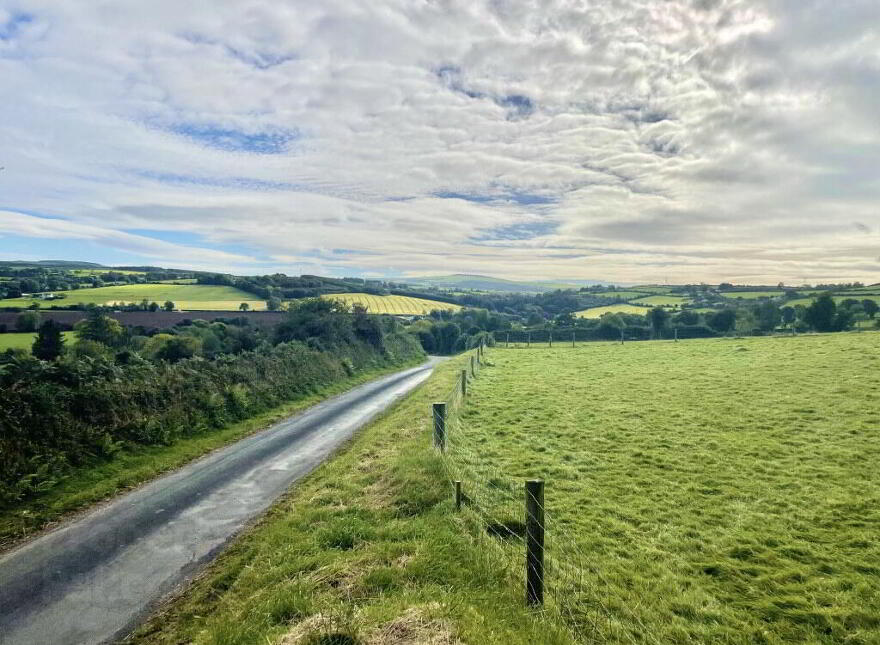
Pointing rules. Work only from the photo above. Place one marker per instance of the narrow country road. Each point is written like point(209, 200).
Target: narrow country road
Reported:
point(90, 581)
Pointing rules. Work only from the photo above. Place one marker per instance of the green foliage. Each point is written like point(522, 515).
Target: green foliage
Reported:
point(101, 328)
point(27, 321)
point(65, 413)
point(821, 313)
point(49, 343)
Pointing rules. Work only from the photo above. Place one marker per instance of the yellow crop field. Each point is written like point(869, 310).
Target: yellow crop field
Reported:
point(598, 312)
point(400, 305)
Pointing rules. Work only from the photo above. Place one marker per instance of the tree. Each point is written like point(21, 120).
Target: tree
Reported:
point(244, 306)
point(167, 347)
point(658, 317)
point(768, 315)
point(101, 328)
point(27, 321)
point(687, 317)
point(723, 321)
point(154, 306)
point(820, 315)
point(49, 343)
point(168, 306)
point(788, 315)
point(273, 304)
point(870, 307)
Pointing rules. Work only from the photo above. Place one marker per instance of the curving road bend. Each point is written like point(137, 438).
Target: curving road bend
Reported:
point(92, 580)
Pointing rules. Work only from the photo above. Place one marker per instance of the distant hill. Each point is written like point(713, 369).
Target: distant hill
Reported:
point(488, 283)
point(60, 264)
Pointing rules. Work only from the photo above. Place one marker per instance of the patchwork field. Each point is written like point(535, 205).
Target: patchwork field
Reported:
point(750, 295)
point(401, 305)
point(24, 340)
point(806, 302)
point(598, 312)
point(707, 491)
point(625, 295)
point(185, 297)
point(661, 301)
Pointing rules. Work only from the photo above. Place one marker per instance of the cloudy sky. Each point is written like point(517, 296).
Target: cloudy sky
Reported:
point(620, 140)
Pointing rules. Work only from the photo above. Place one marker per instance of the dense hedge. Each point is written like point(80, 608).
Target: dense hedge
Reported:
point(55, 416)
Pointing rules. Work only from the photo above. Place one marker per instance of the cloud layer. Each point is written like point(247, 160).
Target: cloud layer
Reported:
point(626, 140)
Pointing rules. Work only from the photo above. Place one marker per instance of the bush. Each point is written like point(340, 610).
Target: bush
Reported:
point(55, 416)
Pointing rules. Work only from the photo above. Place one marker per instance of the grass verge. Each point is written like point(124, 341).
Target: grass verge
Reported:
point(366, 550)
point(136, 464)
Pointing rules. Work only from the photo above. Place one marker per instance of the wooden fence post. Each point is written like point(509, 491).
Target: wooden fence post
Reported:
point(529, 340)
point(621, 335)
point(457, 495)
point(535, 542)
point(572, 339)
point(473, 366)
point(551, 338)
point(464, 382)
point(507, 342)
point(440, 426)
point(676, 334)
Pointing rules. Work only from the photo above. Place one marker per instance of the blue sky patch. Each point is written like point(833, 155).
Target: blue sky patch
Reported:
point(518, 231)
point(266, 143)
point(12, 27)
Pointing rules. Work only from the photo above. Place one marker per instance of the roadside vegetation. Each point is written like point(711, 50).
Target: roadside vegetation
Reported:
point(65, 410)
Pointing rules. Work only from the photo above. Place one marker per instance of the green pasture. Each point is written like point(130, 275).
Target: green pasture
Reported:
point(661, 301)
point(625, 295)
point(720, 491)
point(751, 295)
point(24, 340)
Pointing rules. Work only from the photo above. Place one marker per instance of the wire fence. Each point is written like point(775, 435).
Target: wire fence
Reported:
point(494, 508)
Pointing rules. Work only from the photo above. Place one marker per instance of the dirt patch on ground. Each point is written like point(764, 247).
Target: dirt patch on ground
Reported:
point(415, 626)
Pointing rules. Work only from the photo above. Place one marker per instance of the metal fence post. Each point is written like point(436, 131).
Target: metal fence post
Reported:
point(440, 426)
point(535, 542)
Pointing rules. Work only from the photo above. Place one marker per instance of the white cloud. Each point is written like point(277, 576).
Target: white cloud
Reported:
point(622, 140)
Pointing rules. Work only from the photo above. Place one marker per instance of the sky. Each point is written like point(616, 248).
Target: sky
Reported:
point(615, 140)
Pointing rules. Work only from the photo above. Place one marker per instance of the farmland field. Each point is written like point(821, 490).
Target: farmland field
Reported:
point(185, 297)
point(598, 312)
point(625, 295)
point(806, 302)
point(24, 340)
point(402, 305)
point(661, 301)
point(751, 295)
point(710, 491)
point(652, 288)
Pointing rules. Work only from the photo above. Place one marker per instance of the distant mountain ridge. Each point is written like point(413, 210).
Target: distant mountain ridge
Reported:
point(488, 283)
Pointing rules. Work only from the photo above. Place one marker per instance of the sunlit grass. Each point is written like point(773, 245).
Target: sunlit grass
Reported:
point(715, 491)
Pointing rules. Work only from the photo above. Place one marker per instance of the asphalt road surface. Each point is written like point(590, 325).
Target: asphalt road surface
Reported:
point(92, 580)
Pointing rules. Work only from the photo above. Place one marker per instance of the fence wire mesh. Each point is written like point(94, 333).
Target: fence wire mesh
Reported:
point(493, 511)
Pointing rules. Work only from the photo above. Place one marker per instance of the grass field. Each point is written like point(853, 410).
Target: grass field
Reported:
point(806, 302)
point(185, 297)
point(652, 288)
point(625, 295)
point(598, 312)
point(712, 491)
point(401, 305)
point(750, 295)
point(24, 340)
point(661, 301)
